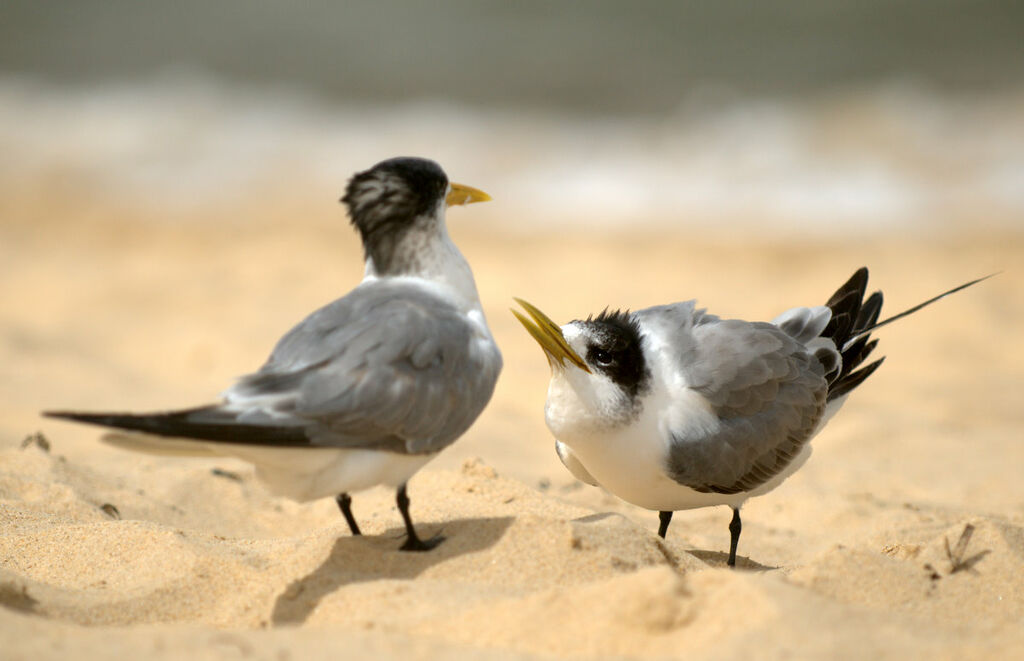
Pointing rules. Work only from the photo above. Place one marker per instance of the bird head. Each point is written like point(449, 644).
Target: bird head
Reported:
point(399, 197)
point(599, 372)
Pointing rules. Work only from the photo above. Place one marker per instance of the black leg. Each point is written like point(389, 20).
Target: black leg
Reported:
point(345, 505)
point(666, 518)
point(734, 532)
point(412, 541)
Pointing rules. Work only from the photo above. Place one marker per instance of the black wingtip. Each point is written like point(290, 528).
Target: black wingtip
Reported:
point(850, 381)
point(851, 314)
point(857, 284)
point(204, 423)
point(78, 416)
point(131, 421)
point(849, 308)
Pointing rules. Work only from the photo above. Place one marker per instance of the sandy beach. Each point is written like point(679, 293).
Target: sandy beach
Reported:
point(106, 554)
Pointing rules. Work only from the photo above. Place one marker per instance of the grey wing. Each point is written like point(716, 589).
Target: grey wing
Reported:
point(390, 366)
point(767, 393)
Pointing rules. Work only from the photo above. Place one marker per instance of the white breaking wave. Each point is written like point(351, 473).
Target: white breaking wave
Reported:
point(885, 156)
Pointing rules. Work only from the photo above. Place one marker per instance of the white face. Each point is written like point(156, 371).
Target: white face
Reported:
point(581, 403)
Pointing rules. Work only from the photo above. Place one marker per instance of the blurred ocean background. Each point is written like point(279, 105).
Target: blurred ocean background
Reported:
point(782, 116)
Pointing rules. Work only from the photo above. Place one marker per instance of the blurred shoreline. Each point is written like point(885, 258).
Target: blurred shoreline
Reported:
point(868, 159)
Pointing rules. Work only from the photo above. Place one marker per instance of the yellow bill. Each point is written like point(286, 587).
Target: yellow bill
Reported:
point(549, 336)
point(461, 194)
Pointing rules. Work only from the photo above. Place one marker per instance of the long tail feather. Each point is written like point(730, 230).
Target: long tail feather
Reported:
point(917, 307)
point(853, 319)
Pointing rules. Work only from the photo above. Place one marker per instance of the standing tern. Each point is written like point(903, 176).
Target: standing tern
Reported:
point(369, 388)
point(671, 408)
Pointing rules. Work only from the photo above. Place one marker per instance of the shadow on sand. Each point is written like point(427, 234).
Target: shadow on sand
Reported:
point(720, 559)
point(358, 559)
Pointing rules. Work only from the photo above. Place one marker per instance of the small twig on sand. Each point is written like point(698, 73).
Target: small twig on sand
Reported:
point(229, 475)
point(36, 439)
point(957, 561)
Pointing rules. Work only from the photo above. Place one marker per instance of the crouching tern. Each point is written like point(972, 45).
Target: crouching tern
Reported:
point(671, 408)
point(369, 388)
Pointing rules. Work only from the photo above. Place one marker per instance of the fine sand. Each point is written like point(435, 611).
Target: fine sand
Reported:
point(107, 554)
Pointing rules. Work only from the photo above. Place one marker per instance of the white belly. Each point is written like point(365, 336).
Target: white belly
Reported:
point(631, 461)
point(620, 466)
point(298, 473)
point(626, 470)
point(307, 474)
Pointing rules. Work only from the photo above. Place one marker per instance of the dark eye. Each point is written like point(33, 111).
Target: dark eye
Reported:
point(602, 357)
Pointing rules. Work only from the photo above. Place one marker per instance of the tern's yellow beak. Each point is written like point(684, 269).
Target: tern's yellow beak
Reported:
point(460, 194)
point(549, 337)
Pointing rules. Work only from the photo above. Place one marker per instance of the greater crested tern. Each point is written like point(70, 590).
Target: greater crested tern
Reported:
point(671, 408)
point(369, 388)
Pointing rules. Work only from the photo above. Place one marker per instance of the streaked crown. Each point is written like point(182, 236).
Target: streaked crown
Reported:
point(390, 199)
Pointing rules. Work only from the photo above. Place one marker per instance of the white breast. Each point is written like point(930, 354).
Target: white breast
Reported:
point(629, 461)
